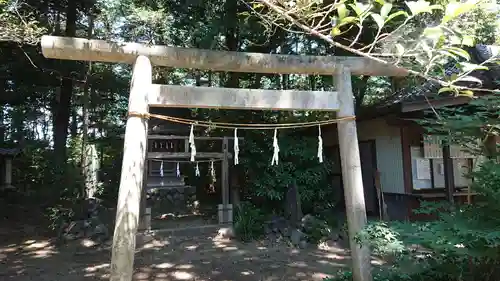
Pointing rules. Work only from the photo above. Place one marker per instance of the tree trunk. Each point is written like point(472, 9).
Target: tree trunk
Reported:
point(2, 128)
point(63, 103)
point(360, 94)
point(285, 78)
point(231, 18)
point(74, 123)
point(85, 118)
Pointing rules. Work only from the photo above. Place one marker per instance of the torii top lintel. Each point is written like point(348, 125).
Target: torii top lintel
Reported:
point(69, 48)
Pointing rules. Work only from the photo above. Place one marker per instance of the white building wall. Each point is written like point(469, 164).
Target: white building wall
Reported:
point(390, 163)
point(388, 151)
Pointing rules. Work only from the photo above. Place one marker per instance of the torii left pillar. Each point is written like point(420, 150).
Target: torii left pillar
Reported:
point(132, 174)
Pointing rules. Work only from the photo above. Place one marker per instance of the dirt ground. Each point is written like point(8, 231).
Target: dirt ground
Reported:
point(169, 257)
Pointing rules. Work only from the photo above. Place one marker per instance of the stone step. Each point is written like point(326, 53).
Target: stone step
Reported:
point(165, 178)
point(165, 175)
point(165, 169)
point(165, 172)
point(172, 187)
point(190, 231)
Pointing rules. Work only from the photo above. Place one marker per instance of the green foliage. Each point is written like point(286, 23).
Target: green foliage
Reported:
point(37, 179)
point(317, 229)
point(58, 216)
point(248, 222)
point(467, 125)
point(421, 35)
point(17, 24)
point(462, 244)
point(378, 275)
point(482, 24)
point(298, 164)
point(383, 239)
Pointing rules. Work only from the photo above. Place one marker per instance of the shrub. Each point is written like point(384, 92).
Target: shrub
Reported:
point(462, 244)
point(298, 164)
point(248, 222)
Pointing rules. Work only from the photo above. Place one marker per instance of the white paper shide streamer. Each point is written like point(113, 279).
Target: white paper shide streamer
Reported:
point(274, 161)
point(161, 169)
point(191, 143)
point(178, 170)
point(236, 147)
point(197, 170)
point(212, 169)
point(320, 145)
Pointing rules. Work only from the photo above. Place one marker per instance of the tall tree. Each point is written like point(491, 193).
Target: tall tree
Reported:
point(63, 99)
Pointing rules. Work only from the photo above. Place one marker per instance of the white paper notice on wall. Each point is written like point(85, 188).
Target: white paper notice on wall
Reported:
point(441, 169)
point(423, 169)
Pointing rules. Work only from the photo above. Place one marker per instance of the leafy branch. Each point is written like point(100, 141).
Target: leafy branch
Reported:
point(16, 26)
point(425, 53)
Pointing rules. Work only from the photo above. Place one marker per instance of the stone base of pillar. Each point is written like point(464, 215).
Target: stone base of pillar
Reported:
point(145, 220)
point(225, 214)
point(7, 186)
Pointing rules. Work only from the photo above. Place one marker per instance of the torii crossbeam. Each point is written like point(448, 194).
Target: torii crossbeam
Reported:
point(144, 94)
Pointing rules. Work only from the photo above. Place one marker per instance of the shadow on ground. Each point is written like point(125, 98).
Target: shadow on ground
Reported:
point(168, 258)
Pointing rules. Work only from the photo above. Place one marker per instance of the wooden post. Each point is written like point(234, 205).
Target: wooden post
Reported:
point(134, 155)
point(8, 172)
point(225, 180)
point(186, 145)
point(149, 162)
point(145, 215)
point(351, 177)
point(449, 178)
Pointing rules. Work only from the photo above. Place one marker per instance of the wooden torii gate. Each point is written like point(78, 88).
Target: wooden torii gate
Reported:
point(144, 94)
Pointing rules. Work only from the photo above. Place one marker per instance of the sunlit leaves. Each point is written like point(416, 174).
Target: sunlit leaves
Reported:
point(421, 6)
point(416, 35)
point(19, 28)
point(400, 49)
point(457, 51)
point(336, 32)
point(379, 20)
point(257, 5)
point(469, 79)
point(360, 9)
point(455, 9)
point(385, 10)
point(347, 20)
point(396, 14)
point(468, 67)
point(467, 40)
point(448, 89)
point(433, 32)
point(342, 11)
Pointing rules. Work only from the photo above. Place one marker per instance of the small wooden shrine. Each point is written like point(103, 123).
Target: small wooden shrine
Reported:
point(168, 157)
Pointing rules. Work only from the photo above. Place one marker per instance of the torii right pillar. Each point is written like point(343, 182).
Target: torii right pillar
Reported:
point(351, 176)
